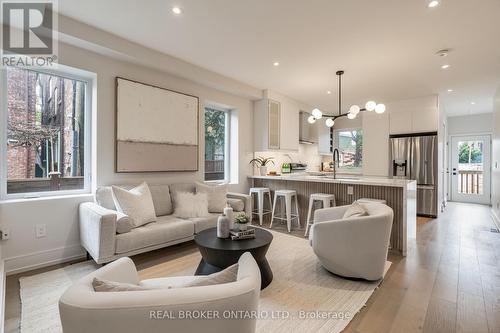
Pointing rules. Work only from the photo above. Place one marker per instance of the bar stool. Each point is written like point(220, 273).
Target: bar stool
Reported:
point(328, 200)
point(261, 192)
point(287, 195)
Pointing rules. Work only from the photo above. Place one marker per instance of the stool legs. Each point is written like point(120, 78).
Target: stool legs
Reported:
point(288, 209)
point(309, 211)
point(260, 206)
point(297, 210)
point(274, 209)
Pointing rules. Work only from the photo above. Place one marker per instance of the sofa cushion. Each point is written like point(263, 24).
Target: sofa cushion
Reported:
point(104, 197)
point(166, 229)
point(236, 204)
point(216, 196)
point(355, 210)
point(191, 205)
point(227, 275)
point(136, 203)
point(205, 222)
point(161, 199)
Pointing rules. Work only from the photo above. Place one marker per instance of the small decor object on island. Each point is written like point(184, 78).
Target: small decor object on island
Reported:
point(261, 163)
point(238, 235)
point(241, 222)
point(223, 227)
point(228, 211)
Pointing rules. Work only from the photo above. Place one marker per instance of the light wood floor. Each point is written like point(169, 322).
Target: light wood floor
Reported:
point(449, 282)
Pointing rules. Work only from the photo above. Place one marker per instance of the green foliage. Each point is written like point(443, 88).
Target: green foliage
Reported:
point(262, 161)
point(241, 218)
point(468, 153)
point(215, 132)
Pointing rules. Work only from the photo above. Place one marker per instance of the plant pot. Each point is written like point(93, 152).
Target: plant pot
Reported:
point(263, 170)
point(243, 226)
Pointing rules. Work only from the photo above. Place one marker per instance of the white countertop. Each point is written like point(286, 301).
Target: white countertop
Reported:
point(341, 179)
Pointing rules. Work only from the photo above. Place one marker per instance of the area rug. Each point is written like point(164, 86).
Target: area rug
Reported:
point(303, 296)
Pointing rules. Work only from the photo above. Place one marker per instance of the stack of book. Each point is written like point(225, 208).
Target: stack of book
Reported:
point(238, 235)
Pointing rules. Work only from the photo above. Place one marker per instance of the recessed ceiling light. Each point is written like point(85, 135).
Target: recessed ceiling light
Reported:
point(473, 103)
point(329, 92)
point(450, 90)
point(445, 66)
point(176, 10)
point(433, 3)
point(276, 64)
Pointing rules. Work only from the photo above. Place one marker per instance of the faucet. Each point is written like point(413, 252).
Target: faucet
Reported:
point(336, 161)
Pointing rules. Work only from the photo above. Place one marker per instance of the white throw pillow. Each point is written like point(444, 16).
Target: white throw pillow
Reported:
point(227, 275)
point(101, 285)
point(136, 203)
point(191, 205)
point(355, 210)
point(216, 196)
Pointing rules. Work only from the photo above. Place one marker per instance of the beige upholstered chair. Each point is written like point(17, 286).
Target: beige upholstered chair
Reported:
point(354, 247)
point(83, 310)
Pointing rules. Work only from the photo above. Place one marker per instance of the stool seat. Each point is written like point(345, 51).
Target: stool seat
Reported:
point(287, 195)
point(328, 200)
point(260, 211)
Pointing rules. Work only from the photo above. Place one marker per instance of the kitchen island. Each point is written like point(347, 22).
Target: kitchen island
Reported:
point(400, 195)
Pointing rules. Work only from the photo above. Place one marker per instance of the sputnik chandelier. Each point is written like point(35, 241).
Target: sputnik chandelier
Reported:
point(354, 110)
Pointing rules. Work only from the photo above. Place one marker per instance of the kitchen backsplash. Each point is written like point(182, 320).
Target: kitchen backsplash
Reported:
point(307, 154)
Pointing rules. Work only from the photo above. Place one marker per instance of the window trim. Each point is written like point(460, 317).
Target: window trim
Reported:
point(90, 88)
point(343, 169)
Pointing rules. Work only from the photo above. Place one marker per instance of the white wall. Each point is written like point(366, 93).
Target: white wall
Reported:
point(23, 250)
point(495, 174)
point(470, 124)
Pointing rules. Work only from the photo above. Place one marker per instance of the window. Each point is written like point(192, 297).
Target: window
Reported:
point(216, 144)
point(47, 133)
point(349, 142)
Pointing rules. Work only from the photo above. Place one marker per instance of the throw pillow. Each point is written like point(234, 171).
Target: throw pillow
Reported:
point(101, 285)
point(123, 223)
point(136, 203)
point(355, 210)
point(227, 275)
point(216, 196)
point(189, 205)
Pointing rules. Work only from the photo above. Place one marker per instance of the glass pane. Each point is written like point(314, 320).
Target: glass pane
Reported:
point(215, 141)
point(470, 167)
point(45, 129)
point(350, 146)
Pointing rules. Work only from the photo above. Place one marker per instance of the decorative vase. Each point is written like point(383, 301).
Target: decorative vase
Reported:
point(222, 227)
point(228, 211)
point(263, 170)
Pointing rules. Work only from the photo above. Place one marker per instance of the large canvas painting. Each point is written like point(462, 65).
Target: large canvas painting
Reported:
point(156, 129)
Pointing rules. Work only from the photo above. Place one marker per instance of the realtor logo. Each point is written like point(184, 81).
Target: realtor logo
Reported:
point(28, 33)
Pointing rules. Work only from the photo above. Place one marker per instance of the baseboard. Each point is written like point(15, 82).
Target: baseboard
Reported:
point(496, 219)
point(28, 262)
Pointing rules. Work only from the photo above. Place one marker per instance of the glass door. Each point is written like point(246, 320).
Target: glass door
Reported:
point(470, 169)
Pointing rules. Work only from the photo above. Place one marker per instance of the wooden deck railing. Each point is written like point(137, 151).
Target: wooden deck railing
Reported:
point(470, 181)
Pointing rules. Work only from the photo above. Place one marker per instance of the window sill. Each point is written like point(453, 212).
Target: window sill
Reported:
point(8, 200)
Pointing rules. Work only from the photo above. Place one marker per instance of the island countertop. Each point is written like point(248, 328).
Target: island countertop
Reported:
point(399, 194)
point(341, 179)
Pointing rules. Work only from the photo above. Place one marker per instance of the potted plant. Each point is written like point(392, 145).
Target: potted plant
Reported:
point(241, 222)
point(261, 163)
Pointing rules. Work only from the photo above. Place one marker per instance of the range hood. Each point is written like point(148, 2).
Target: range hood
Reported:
point(307, 132)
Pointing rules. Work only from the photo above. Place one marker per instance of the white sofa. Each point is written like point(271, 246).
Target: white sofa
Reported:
point(355, 247)
point(83, 310)
point(98, 234)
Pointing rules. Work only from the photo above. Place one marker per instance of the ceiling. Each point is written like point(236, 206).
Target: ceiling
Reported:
point(386, 47)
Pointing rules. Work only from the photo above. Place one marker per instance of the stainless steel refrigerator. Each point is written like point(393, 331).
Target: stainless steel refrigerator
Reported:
point(414, 156)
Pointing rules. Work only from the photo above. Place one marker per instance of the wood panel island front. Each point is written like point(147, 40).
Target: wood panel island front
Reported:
point(399, 194)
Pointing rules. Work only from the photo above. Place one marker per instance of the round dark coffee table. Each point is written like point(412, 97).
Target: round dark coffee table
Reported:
point(218, 253)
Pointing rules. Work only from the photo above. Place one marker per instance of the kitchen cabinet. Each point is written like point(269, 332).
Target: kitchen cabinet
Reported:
point(424, 120)
point(276, 125)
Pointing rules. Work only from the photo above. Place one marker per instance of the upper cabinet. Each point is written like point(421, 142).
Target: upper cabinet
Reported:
point(414, 115)
point(276, 124)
